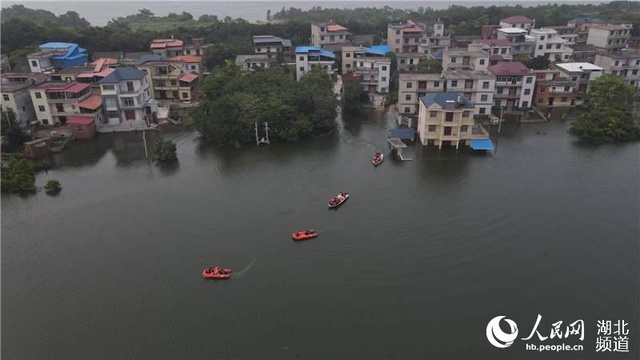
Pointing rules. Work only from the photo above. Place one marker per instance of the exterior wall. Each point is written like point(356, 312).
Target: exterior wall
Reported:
point(38, 65)
point(551, 95)
point(409, 63)
point(626, 67)
point(465, 60)
point(83, 131)
point(375, 71)
point(411, 87)
point(348, 58)
point(475, 89)
point(41, 106)
point(432, 124)
point(21, 104)
point(303, 64)
point(526, 26)
point(514, 91)
point(610, 38)
point(320, 37)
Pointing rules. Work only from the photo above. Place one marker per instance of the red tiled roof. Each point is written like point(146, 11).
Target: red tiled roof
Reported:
point(103, 73)
point(188, 77)
point(91, 103)
point(187, 58)
point(412, 29)
point(161, 44)
point(80, 120)
point(493, 43)
point(509, 68)
point(336, 27)
point(518, 19)
point(72, 88)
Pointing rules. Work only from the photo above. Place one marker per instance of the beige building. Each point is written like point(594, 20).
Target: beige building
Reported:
point(413, 86)
point(610, 38)
point(625, 64)
point(326, 33)
point(15, 96)
point(446, 119)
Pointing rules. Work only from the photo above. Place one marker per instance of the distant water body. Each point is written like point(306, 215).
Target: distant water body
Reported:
point(99, 13)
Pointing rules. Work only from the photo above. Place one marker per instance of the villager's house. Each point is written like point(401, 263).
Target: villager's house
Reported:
point(82, 127)
point(14, 92)
point(610, 38)
point(167, 47)
point(554, 95)
point(463, 59)
point(254, 61)
point(521, 42)
point(519, 22)
point(374, 66)
point(55, 102)
point(190, 63)
point(412, 86)
point(308, 57)
point(514, 85)
point(580, 74)
point(550, 45)
point(127, 100)
point(582, 26)
point(169, 82)
point(625, 64)
point(408, 61)
point(446, 119)
point(566, 32)
point(195, 46)
point(272, 45)
point(328, 33)
point(90, 74)
point(499, 50)
point(55, 56)
point(412, 37)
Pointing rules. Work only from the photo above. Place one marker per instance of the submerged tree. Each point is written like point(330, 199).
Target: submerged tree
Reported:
point(609, 116)
point(165, 151)
point(18, 177)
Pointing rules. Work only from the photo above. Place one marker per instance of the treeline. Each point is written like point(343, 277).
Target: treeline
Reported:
point(462, 20)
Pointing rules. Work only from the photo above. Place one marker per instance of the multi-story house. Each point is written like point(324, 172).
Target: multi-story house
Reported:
point(405, 37)
point(580, 74)
point(195, 46)
point(168, 81)
point(90, 74)
point(408, 61)
point(476, 85)
point(412, 86)
point(374, 67)
point(55, 102)
point(610, 37)
point(566, 32)
point(554, 95)
point(167, 47)
point(463, 59)
point(499, 50)
point(328, 33)
point(190, 63)
point(582, 26)
point(126, 98)
point(446, 119)
point(254, 61)
point(520, 22)
point(521, 42)
point(550, 45)
point(308, 57)
point(16, 97)
point(625, 64)
point(514, 85)
point(55, 56)
point(271, 46)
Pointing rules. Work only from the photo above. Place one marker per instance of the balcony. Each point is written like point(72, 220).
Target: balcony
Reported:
point(478, 132)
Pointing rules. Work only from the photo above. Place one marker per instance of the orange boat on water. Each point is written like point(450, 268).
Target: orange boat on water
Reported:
point(304, 235)
point(214, 272)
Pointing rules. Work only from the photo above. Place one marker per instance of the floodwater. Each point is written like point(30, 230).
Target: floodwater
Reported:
point(414, 265)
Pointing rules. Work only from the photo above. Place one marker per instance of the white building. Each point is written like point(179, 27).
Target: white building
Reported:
point(520, 22)
point(610, 37)
point(463, 59)
point(15, 96)
point(626, 65)
point(515, 85)
point(580, 74)
point(550, 45)
point(374, 67)
point(327, 33)
point(308, 57)
point(126, 97)
point(521, 41)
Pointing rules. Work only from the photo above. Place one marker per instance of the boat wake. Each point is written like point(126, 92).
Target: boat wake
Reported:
point(241, 272)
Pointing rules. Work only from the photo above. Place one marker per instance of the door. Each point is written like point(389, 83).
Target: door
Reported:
point(447, 130)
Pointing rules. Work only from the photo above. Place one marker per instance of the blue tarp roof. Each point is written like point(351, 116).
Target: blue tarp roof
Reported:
point(315, 49)
point(404, 134)
point(378, 50)
point(482, 144)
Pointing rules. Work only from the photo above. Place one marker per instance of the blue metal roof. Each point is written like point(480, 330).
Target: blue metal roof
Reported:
point(327, 54)
point(404, 134)
point(442, 98)
point(306, 49)
point(150, 57)
point(57, 45)
point(482, 144)
point(378, 50)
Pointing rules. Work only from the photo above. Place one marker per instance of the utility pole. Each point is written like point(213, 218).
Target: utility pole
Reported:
point(500, 122)
point(144, 139)
point(266, 129)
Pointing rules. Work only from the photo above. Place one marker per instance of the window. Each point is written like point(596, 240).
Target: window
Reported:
point(436, 84)
point(540, 47)
point(301, 68)
point(433, 114)
point(465, 114)
point(454, 83)
point(453, 60)
point(432, 128)
point(174, 94)
point(548, 46)
point(614, 72)
point(384, 78)
point(383, 89)
point(302, 57)
point(542, 37)
point(108, 87)
point(540, 100)
point(542, 89)
point(401, 61)
point(60, 107)
point(185, 95)
point(384, 68)
point(348, 66)
point(347, 55)
point(499, 90)
point(482, 110)
point(130, 85)
point(45, 122)
point(407, 110)
point(481, 61)
point(484, 98)
point(527, 91)
point(41, 108)
point(558, 46)
point(397, 32)
point(38, 95)
point(464, 128)
point(485, 84)
point(574, 78)
point(529, 80)
point(634, 72)
point(79, 128)
point(128, 102)
point(408, 97)
point(113, 114)
point(525, 104)
point(409, 85)
point(5, 97)
point(130, 114)
point(322, 38)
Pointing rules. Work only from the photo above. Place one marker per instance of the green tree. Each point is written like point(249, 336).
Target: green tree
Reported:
point(430, 66)
point(538, 63)
point(19, 177)
point(609, 116)
point(165, 151)
point(12, 134)
point(353, 97)
point(52, 187)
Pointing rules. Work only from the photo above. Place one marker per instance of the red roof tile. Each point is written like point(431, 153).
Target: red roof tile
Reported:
point(80, 120)
point(187, 58)
point(91, 103)
point(165, 43)
point(412, 29)
point(509, 68)
point(336, 27)
point(188, 77)
point(72, 88)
